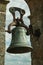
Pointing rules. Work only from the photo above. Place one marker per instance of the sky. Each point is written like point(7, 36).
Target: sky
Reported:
point(17, 59)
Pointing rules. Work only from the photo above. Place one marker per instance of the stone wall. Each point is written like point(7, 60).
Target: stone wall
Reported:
point(2, 38)
point(2, 32)
point(36, 18)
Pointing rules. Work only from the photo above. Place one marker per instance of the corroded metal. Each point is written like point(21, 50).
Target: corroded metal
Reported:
point(19, 42)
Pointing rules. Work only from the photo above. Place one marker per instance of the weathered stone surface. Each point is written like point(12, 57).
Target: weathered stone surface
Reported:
point(2, 22)
point(2, 7)
point(2, 33)
point(36, 8)
point(1, 59)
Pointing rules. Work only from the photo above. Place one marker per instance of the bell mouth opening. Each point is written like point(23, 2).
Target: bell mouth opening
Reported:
point(19, 50)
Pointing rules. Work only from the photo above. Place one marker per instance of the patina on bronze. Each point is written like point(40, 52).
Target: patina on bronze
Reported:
point(19, 42)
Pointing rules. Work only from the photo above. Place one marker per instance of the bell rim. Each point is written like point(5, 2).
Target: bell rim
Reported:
point(19, 50)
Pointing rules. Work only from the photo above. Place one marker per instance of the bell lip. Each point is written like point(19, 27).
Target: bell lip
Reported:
point(19, 50)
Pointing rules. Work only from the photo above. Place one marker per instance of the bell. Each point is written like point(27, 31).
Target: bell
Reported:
point(19, 41)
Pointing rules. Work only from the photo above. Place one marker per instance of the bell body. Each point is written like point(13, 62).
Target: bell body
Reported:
point(19, 41)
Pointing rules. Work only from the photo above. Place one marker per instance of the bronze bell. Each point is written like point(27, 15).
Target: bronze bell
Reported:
point(19, 41)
